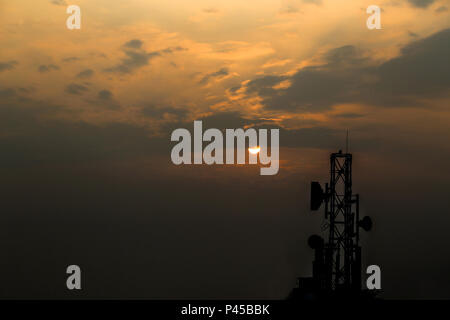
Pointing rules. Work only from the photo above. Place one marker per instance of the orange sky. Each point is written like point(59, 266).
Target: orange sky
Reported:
point(86, 117)
point(247, 41)
point(201, 59)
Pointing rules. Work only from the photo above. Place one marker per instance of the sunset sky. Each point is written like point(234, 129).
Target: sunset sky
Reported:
point(85, 123)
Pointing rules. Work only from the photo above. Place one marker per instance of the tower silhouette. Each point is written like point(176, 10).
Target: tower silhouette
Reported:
point(337, 261)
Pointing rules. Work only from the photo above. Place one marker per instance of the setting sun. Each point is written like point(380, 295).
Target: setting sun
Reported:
point(254, 150)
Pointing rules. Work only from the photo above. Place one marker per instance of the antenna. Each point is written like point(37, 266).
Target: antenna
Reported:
point(346, 143)
point(337, 264)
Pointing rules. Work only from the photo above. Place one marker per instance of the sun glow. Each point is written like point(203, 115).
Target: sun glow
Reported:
point(254, 150)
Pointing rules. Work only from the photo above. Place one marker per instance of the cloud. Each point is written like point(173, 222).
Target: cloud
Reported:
point(346, 55)
point(421, 3)
point(156, 112)
point(8, 65)
point(70, 59)
point(105, 95)
point(59, 2)
point(7, 92)
point(316, 137)
point(76, 89)
point(217, 74)
point(104, 100)
point(289, 9)
point(211, 10)
point(30, 135)
point(313, 1)
point(135, 44)
point(276, 63)
point(348, 115)
point(173, 49)
point(85, 74)
point(133, 61)
point(136, 57)
point(441, 9)
point(224, 120)
point(47, 68)
point(420, 71)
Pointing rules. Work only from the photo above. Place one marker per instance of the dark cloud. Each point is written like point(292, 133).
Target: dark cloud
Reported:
point(156, 112)
point(105, 95)
point(421, 70)
point(315, 137)
point(105, 99)
point(220, 73)
point(76, 89)
point(220, 120)
point(8, 65)
point(173, 49)
point(137, 57)
point(234, 89)
point(264, 86)
point(47, 68)
point(134, 44)
point(312, 88)
point(133, 61)
point(59, 141)
point(85, 74)
point(225, 120)
point(441, 9)
point(349, 115)
point(421, 3)
point(27, 89)
point(7, 92)
point(345, 56)
point(70, 59)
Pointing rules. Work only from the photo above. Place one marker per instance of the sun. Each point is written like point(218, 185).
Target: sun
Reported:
point(254, 150)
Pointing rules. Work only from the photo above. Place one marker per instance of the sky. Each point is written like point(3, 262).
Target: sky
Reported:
point(85, 123)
